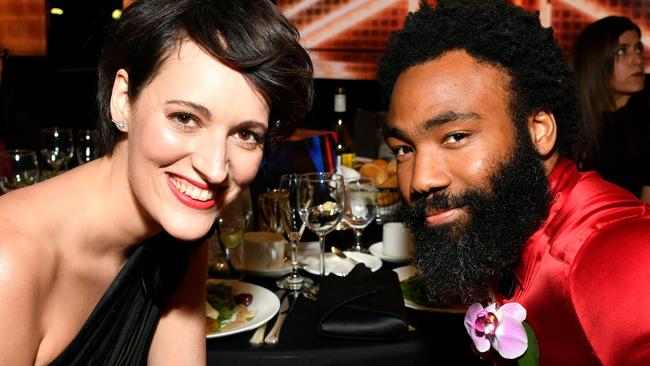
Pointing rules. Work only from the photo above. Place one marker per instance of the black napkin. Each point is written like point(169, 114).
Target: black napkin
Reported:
point(362, 305)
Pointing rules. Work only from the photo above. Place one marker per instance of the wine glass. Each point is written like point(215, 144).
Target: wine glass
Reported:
point(56, 149)
point(321, 202)
point(18, 168)
point(87, 145)
point(360, 207)
point(293, 228)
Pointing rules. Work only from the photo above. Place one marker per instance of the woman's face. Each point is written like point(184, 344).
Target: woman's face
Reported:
point(194, 140)
point(628, 76)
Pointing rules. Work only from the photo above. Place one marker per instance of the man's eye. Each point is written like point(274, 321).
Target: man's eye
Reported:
point(455, 137)
point(401, 150)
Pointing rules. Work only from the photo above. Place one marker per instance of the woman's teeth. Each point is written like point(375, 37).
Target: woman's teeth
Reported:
point(192, 191)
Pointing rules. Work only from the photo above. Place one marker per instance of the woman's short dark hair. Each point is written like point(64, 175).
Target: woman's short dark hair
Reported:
point(594, 55)
point(251, 36)
point(499, 34)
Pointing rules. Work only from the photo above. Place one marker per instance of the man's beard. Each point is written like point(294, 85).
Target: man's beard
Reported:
point(459, 261)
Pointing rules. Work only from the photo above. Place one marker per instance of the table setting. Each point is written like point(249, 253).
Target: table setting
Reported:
point(335, 300)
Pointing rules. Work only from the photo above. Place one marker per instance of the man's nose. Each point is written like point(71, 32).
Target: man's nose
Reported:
point(430, 174)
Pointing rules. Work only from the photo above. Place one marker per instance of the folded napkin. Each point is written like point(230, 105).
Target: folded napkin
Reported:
point(363, 305)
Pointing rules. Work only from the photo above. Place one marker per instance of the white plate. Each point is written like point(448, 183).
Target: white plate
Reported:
point(273, 272)
point(377, 250)
point(339, 266)
point(265, 304)
point(406, 272)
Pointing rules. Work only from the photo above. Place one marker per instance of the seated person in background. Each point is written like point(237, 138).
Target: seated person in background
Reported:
point(614, 133)
point(482, 112)
point(186, 92)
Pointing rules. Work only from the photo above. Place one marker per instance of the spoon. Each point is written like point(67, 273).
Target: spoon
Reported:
point(339, 253)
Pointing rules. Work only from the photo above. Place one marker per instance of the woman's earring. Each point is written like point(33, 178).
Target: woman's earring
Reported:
point(121, 125)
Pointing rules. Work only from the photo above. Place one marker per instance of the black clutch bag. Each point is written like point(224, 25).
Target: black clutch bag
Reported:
point(363, 305)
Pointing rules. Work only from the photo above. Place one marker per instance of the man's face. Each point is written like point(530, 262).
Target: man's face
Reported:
point(475, 187)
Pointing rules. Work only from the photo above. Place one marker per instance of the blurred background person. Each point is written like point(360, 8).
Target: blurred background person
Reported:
point(614, 134)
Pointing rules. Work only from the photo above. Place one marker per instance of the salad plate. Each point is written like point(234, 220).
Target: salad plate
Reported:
point(406, 276)
point(339, 266)
point(265, 304)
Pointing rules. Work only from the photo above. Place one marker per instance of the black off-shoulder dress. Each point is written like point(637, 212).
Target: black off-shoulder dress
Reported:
point(120, 328)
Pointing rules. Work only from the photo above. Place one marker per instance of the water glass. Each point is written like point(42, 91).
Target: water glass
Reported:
point(360, 207)
point(18, 168)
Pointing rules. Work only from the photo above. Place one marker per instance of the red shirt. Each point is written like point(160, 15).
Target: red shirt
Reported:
point(584, 276)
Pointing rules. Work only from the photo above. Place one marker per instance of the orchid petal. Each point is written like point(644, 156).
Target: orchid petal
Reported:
point(513, 309)
point(470, 316)
point(481, 343)
point(491, 308)
point(510, 338)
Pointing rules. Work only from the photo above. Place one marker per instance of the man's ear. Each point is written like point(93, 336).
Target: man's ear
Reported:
point(543, 132)
point(120, 106)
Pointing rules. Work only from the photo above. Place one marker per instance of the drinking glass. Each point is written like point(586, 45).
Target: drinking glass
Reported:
point(269, 205)
point(230, 229)
point(293, 228)
point(87, 145)
point(56, 149)
point(360, 207)
point(18, 168)
point(321, 202)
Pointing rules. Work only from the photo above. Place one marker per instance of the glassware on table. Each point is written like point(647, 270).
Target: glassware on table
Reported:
point(321, 203)
point(360, 207)
point(230, 232)
point(87, 145)
point(293, 227)
point(269, 206)
point(18, 168)
point(57, 149)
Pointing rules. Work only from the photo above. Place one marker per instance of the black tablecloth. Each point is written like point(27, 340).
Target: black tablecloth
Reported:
point(438, 338)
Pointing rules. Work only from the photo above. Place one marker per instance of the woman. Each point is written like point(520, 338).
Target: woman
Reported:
point(91, 268)
point(615, 132)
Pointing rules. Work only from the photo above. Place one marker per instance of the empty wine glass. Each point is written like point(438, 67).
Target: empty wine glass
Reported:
point(360, 207)
point(18, 168)
point(293, 228)
point(321, 202)
point(87, 145)
point(56, 149)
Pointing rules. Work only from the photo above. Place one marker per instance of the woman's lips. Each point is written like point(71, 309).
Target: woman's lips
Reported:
point(441, 217)
point(191, 193)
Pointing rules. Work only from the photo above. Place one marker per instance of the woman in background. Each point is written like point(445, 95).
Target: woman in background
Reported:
point(104, 264)
point(614, 135)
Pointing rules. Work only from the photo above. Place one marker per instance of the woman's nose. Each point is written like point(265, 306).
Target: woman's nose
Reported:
point(211, 162)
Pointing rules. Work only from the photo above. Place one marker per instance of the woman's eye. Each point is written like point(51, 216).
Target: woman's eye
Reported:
point(184, 120)
point(639, 49)
point(250, 138)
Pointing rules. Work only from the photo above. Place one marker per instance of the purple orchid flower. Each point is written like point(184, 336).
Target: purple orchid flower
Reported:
point(500, 327)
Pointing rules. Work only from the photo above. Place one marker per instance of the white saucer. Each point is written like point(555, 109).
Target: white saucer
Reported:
point(377, 250)
point(339, 266)
point(271, 272)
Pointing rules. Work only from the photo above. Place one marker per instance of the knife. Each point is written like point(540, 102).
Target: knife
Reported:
point(285, 308)
point(258, 337)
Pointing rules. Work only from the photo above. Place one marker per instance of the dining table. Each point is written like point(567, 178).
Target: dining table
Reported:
point(435, 337)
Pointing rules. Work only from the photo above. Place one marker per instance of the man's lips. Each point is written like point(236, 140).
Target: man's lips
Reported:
point(442, 216)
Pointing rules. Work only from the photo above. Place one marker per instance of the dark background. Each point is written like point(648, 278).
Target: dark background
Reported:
point(60, 89)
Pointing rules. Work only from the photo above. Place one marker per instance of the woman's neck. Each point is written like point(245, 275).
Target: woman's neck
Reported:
point(620, 100)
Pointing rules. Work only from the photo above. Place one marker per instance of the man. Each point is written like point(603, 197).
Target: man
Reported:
point(482, 113)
